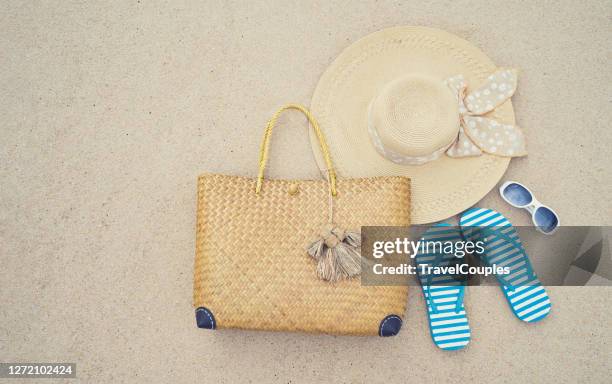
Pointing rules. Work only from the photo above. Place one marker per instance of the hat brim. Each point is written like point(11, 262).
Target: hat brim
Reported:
point(440, 188)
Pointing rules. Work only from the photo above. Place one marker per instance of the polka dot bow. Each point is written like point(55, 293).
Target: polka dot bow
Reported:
point(479, 134)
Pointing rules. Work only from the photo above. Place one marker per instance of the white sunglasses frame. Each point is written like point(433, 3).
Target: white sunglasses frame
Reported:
point(532, 207)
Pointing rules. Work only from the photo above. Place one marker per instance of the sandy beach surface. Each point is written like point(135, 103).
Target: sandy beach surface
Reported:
point(110, 110)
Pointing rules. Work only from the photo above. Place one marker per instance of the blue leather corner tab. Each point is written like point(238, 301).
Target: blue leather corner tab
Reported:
point(205, 318)
point(390, 326)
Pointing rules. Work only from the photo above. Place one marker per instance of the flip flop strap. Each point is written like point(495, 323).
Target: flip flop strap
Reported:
point(430, 301)
point(488, 231)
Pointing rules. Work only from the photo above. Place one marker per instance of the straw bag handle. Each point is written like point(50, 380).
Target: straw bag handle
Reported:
point(263, 152)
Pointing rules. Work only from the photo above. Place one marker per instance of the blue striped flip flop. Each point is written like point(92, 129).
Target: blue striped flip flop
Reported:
point(503, 248)
point(443, 294)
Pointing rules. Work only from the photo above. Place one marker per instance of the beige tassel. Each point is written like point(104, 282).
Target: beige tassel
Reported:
point(337, 253)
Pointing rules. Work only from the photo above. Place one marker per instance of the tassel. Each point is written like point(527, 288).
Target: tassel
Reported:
point(337, 253)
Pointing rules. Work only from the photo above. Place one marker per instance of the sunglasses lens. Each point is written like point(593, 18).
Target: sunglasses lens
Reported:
point(517, 194)
point(546, 219)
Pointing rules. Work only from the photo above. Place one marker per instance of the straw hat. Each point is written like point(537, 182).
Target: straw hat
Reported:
point(393, 104)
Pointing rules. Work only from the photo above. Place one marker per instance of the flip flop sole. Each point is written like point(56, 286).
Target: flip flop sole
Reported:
point(525, 294)
point(448, 324)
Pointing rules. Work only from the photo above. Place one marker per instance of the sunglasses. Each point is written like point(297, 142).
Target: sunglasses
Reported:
point(519, 196)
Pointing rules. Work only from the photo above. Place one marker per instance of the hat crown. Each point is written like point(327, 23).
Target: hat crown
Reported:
point(415, 115)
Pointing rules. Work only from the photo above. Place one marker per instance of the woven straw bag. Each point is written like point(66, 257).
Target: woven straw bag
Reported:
point(252, 268)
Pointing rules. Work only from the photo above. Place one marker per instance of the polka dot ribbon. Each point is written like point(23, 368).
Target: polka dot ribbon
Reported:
point(479, 134)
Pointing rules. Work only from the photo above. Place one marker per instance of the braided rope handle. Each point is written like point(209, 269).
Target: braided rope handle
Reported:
point(263, 151)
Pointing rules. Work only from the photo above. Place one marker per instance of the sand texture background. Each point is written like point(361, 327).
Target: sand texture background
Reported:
point(110, 110)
